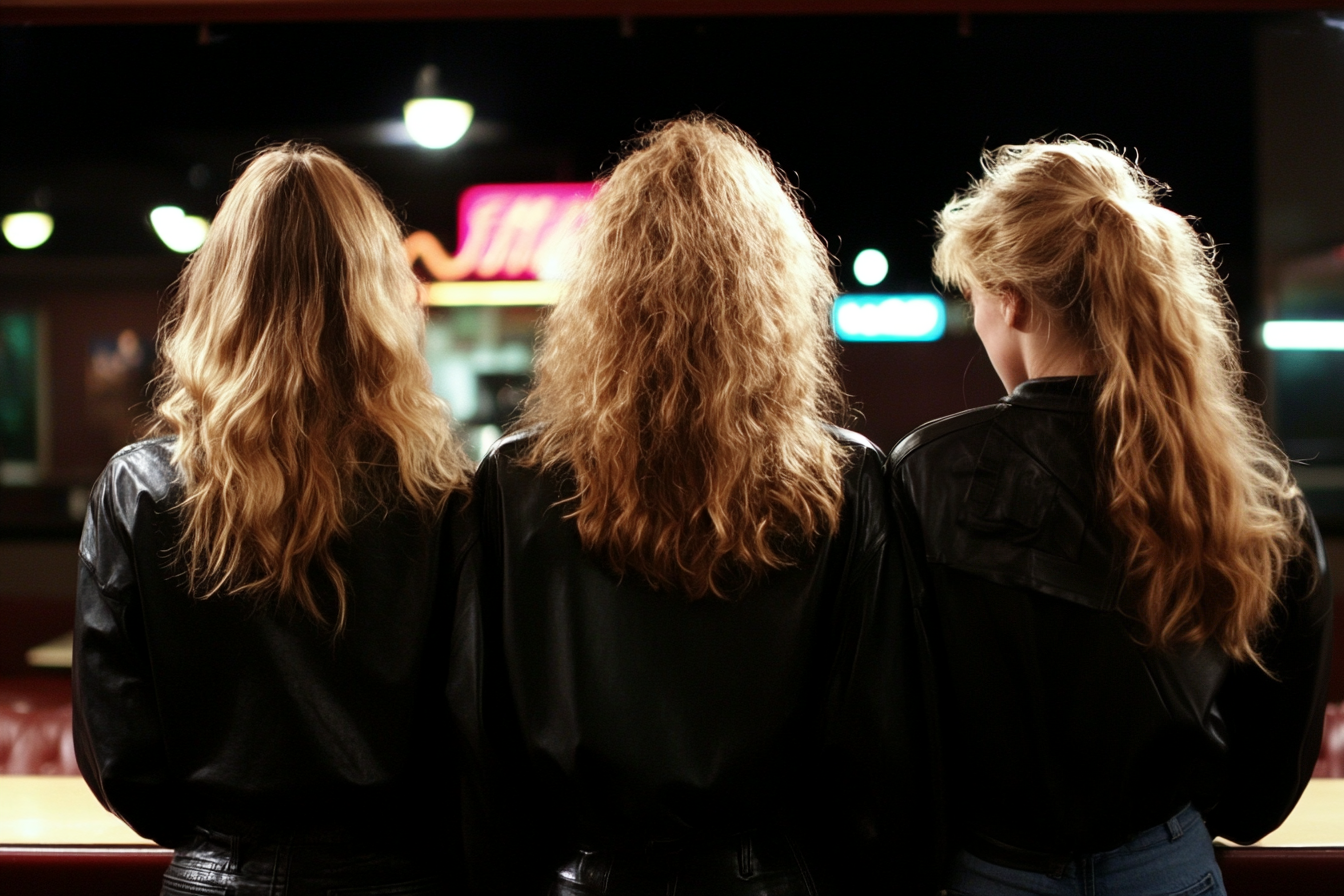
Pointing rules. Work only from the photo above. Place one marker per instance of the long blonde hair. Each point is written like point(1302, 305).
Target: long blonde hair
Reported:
point(684, 377)
point(294, 380)
point(1195, 485)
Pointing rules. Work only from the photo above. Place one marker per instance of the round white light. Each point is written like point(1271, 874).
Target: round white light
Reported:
point(27, 230)
point(870, 267)
point(434, 122)
point(179, 231)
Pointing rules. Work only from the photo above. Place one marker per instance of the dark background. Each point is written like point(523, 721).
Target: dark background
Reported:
point(877, 119)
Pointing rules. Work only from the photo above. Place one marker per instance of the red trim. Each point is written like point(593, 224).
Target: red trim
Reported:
point(79, 12)
point(81, 870)
point(1280, 870)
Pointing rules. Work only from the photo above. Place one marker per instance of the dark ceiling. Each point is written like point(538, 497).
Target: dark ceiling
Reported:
point(877, 118)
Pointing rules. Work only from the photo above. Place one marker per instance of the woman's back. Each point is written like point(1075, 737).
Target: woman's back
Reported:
point(1064, 734)
point(650, 717)
point(231, 715)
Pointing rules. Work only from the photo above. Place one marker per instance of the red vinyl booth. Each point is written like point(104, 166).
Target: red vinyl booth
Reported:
point(35, 739)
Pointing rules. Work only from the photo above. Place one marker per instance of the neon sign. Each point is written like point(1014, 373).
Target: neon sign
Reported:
point(506, 232)
point(865, 317)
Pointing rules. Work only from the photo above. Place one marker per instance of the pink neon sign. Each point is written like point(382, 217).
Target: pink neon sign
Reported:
point(507, 232)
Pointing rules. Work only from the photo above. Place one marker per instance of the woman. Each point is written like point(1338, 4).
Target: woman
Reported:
point(255, 683)
point(680, 672)
point(1125, 592)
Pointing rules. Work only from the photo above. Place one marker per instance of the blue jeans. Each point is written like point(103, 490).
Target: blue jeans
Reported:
point(1174, 858)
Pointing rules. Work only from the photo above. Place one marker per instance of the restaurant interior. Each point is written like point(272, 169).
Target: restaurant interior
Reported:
point(123, 123)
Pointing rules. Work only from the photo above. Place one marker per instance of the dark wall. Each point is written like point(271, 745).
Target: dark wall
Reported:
point(877, 119)
point(85, 304)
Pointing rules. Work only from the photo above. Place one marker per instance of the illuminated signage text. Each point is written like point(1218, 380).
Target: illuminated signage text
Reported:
point(864, 317)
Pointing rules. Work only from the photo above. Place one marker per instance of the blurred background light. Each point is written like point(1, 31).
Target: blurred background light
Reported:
point(466, 293)
point(870, 267)
point(179, 231)
point(889, 318)
point(434, 121)
point(27, 230)
point(1304, 335)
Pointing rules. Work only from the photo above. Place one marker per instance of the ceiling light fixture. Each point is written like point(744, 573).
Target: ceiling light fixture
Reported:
point(27, 230)
point(434, 121)
point(179, 231)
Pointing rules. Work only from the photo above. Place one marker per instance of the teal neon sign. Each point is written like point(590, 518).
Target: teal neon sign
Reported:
point(1304, 335)
point(869, 317)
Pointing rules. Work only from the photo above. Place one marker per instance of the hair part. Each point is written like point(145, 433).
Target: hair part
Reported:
point(294, 380)
point(684, 377)
point(1195, 485)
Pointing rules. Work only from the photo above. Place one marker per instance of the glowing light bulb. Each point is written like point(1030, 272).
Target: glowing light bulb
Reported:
point(179, 231)
point(870, 267)
point(435, 122)
point(27, 230)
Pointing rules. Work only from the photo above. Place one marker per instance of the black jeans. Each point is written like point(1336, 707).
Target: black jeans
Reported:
point(753, 863)
point(215, 864)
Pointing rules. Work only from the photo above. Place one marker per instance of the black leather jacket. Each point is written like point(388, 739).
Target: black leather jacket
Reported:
point(246, 718)
point(619, 730)
point(1061, 733)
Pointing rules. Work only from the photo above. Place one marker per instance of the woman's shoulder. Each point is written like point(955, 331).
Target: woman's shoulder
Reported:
point(954, 427)
point(511, 445)
point(144, 467)
point(142, 470)
point(864, 462)
point(852, 441)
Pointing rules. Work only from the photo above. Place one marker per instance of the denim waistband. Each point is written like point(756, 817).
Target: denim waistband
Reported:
point(1055, 864)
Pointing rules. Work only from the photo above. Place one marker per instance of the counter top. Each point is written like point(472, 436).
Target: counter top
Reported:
point(51, 810)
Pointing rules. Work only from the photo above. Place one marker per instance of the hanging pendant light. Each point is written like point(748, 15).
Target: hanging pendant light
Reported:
point(433, 120)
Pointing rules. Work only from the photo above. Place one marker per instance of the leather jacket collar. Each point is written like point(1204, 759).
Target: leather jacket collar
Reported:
point(1055, 393)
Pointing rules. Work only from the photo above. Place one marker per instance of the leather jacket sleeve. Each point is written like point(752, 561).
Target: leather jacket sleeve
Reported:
point(1274, 714)
point(117, 729)
point(500, 825)
point(880, 726)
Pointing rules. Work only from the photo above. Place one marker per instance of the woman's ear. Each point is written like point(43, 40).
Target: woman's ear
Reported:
point(1016, 312)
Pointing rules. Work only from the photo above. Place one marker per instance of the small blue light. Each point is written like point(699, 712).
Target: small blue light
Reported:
point(865, 317)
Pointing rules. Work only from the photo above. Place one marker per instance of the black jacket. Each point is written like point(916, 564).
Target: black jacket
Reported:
point(1062, 734)
point(603, 715)
point(247, 717)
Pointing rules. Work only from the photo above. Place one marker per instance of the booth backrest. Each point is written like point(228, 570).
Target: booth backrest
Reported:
point(1331, 761)
point(36, 742)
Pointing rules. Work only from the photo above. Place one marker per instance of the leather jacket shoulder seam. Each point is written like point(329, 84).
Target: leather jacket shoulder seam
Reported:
point(943, 426)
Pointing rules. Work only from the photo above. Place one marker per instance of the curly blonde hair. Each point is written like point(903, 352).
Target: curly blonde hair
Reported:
point(685, 376)
point(294, 381)
point(1195, 485)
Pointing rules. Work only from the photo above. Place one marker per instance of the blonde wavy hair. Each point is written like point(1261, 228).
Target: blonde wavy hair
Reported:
point(684, 377)
point(1196, 487)
point(294, 381)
